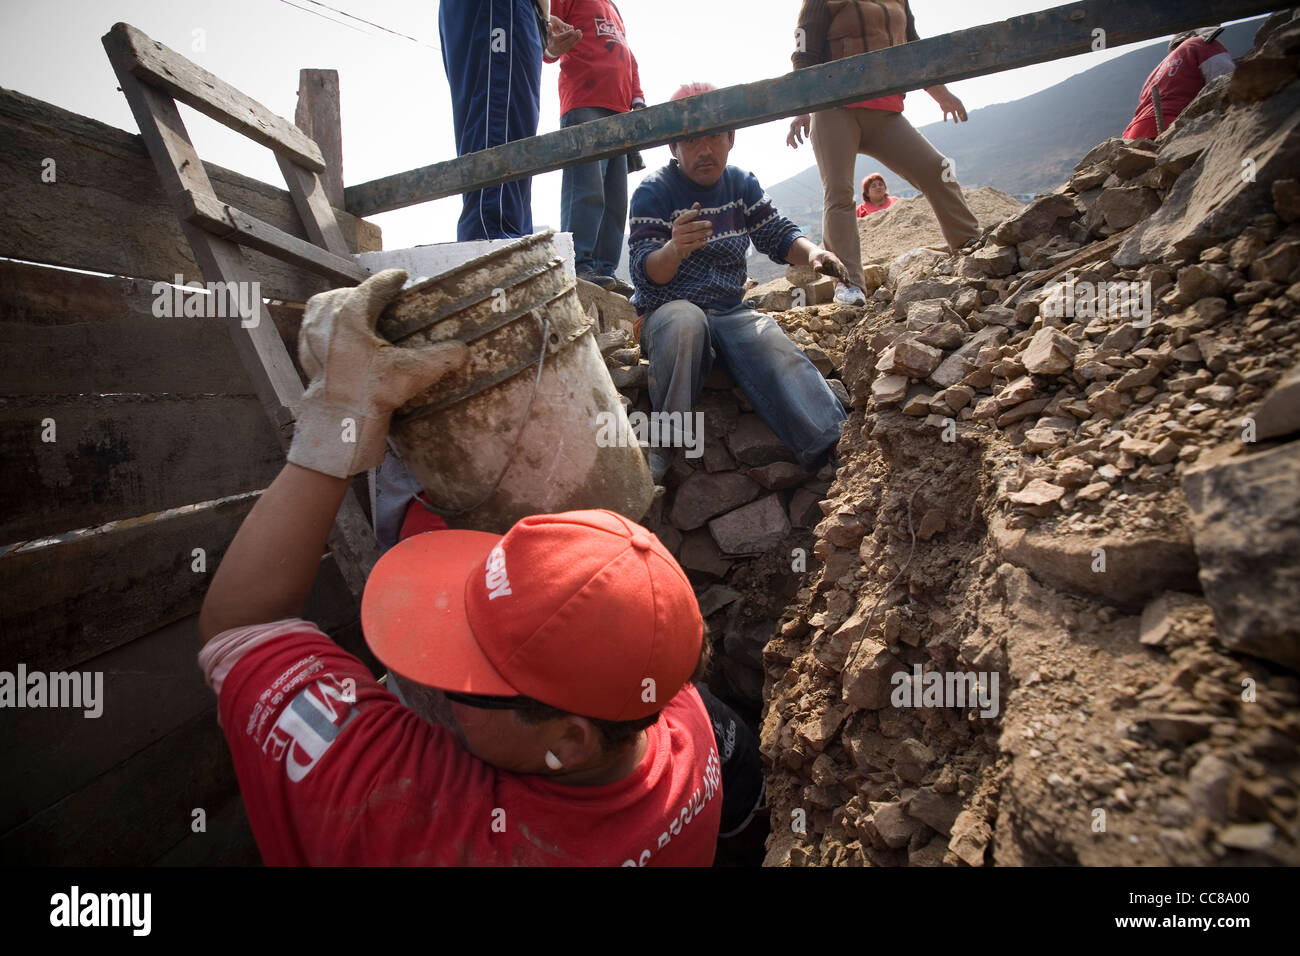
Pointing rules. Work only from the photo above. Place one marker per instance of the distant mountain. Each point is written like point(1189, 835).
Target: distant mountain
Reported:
point(1024, 147)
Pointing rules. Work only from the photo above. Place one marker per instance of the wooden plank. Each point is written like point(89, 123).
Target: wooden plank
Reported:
point(1009, 44)
point(107, 211)
point(226, 222)
point(68, 333)
point(136, 812)
point(72, 600)
point(318, 116)
point(151, 684)
point(120, 456)
point(159, 66)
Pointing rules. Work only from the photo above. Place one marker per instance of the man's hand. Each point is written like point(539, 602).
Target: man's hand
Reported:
point(560, 37)
point(828, 263)
point(357, 378)
point(690, 232)
point(948, 103)
point(799, 129)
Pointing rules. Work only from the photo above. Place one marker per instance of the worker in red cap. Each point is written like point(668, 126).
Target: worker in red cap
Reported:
point(692, 225)
point(549, 713)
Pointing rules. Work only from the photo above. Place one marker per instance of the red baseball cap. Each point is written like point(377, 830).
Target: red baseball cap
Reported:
point(586, 611)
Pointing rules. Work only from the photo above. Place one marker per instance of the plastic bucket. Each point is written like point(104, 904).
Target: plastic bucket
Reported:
point(498, 441)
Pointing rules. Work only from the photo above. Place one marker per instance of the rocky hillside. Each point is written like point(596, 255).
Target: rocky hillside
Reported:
point(1055, 612)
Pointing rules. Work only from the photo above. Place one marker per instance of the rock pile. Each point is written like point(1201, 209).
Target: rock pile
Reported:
point(1071, 493)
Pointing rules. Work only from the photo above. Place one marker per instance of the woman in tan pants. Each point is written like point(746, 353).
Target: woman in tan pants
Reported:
point(832, 29)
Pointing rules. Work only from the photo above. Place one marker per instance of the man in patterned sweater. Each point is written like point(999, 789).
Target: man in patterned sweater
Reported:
point(692, 222)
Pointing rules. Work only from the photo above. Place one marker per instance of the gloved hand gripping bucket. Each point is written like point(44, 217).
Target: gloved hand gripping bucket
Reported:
point(516, 431)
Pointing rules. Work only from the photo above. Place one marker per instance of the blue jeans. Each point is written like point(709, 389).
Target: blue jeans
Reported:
point(492, 52)
point(681, 341)
point(593, 203)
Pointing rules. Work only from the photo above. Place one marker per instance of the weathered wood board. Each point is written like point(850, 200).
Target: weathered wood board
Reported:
point(106, 210)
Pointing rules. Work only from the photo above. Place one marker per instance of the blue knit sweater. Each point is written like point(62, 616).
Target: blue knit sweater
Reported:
point(713, 277)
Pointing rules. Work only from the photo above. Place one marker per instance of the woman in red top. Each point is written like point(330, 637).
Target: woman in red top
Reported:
point(875, 196)
point(834, 29)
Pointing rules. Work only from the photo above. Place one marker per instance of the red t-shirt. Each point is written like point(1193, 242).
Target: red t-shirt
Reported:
point(867, 207)
point(1180, 77)
point(891, 104)
point(600, 70)
point(335, 771)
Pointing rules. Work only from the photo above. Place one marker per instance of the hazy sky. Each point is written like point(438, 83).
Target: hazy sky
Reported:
point(395, 103)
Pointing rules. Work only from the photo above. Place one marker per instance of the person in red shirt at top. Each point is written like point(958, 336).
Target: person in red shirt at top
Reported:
point(1194, 59)
point(875, 196)
point(598, 77)
point(550, 716)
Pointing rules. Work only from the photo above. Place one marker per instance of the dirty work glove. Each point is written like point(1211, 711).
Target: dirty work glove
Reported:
point(357, 378)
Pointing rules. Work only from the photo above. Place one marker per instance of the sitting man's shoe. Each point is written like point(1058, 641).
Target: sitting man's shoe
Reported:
point(622, 288)
point(849, 295)
point(595, 278)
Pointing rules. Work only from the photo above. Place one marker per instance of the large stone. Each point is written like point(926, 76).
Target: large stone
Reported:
point(1245, 517)
point(1124, 206)
point(754, 529)
point(889, 389)
point(936, 810)
point(609, 310)
point(699, 553)
point(866, 678)
point(893, 824)
point(1039, 497)
point(703, 496)
point(961, 363)
point(1215, 199)
point(971, 836)
point(779, 475)
point(1279, 413)
point(942, 335)
point(1126, 571)
point(1050, 352)
point(753, 443)
point(1038, 217)
point(935, 287)
point(1130, 162)
point(992, 260)
point(909, 357)
point(716, 597)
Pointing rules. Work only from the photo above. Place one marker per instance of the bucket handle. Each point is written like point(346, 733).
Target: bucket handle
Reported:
point(545, 322)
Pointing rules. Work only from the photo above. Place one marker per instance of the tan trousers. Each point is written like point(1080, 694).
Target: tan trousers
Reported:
point(839, 135)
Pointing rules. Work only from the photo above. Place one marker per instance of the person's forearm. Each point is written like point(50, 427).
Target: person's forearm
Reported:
point(269, 568)
point(937, 91)
point(801, 250)
point(662, 264)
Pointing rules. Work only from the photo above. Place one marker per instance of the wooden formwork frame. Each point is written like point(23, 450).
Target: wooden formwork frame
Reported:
point(153, 78)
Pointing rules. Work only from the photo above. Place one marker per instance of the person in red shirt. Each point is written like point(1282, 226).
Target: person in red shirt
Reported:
point(875, 196)
point(598, 77)
point(549, 717)
point(1194, 59)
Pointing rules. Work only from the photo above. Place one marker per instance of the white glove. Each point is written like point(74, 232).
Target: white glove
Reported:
point(357, 378)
